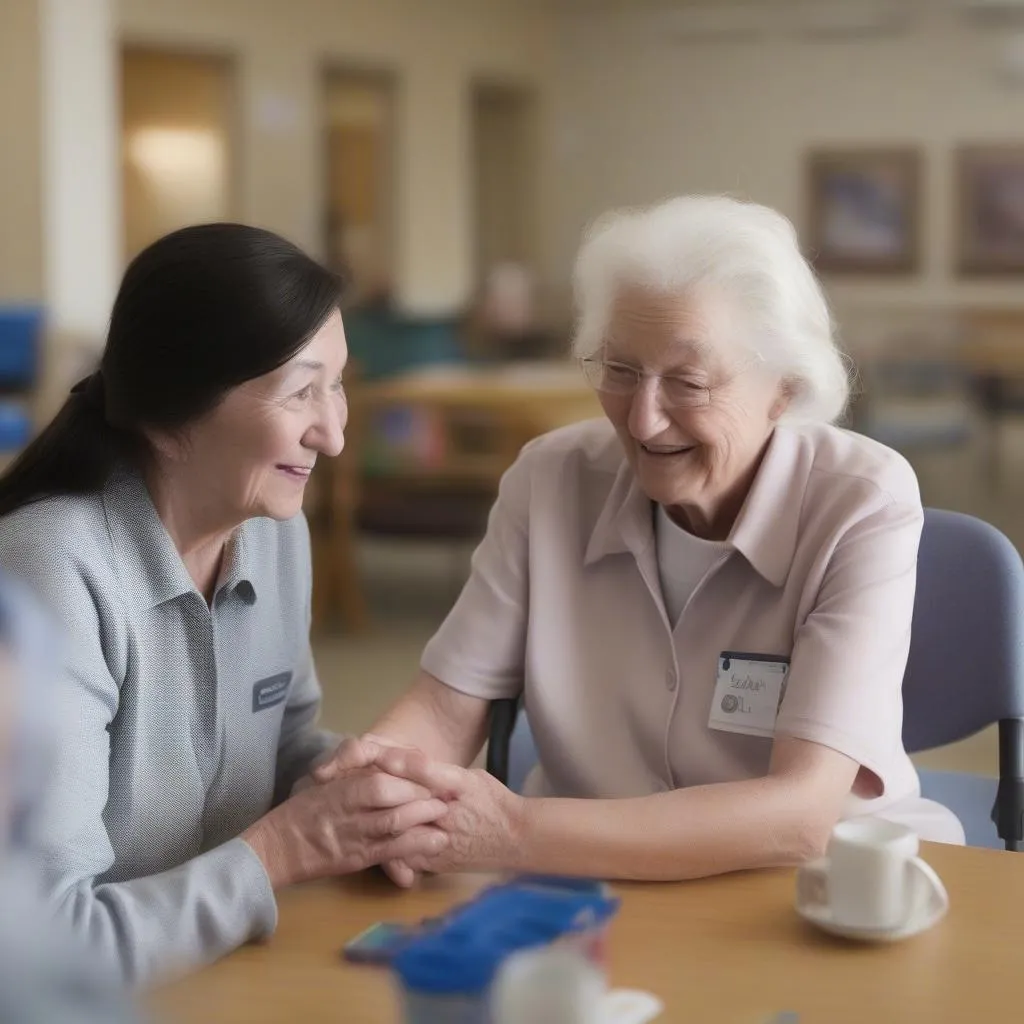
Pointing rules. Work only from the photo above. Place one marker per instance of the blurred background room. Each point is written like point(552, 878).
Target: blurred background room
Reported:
point(449, 153)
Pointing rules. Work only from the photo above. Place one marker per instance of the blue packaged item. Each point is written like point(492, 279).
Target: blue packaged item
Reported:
point(445, 974)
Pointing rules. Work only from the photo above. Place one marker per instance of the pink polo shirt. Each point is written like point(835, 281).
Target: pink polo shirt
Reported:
point(564, 605)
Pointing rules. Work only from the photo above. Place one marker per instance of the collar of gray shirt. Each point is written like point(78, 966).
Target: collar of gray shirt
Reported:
point(141, 542)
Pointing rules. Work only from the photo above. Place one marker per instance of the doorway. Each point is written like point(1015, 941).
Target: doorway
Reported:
point(359, 153)
point(178, 152)
point(505, 176)
point(505, 151)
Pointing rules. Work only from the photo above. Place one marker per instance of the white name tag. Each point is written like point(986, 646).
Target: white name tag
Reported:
point(748, 692)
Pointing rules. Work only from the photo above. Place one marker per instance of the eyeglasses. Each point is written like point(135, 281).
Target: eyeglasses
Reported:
point(620, 379)
point(614, 378)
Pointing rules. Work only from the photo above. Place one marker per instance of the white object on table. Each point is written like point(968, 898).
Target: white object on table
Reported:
point(549, 985)
point(630, 1006)
point(872, 885)
point(555, 985)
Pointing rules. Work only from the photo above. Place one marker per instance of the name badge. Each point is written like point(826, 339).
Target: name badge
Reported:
point(748, 692)
point(270, 691)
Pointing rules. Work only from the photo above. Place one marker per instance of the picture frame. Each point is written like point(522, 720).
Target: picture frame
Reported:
point(864, 213)
point(989, 183)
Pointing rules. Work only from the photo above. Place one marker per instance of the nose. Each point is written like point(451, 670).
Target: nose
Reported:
point(327, 435)
point(647, 417)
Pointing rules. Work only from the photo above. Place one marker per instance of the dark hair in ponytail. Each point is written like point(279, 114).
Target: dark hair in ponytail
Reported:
point(198, 312)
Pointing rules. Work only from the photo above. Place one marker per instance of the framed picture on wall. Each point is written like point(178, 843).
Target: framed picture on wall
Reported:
point(990, 209)
point(864, 210)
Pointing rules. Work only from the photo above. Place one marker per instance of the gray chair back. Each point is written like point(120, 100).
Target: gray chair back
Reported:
point(966, 664)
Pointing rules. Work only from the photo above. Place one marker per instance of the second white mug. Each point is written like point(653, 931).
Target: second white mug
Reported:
point(872, 877)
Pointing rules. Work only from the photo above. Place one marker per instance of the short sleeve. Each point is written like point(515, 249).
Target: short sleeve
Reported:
point(844, 688)
point(480, 648)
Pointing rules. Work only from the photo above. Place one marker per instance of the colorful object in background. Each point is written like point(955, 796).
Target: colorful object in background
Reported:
point(380, 943)
point(384, 343)
point(20, 331)
point(445, 975)
point(15, 426)
point(403, 437)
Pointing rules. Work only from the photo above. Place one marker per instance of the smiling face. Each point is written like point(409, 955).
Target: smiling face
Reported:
point(253, 453)
point(697, 459)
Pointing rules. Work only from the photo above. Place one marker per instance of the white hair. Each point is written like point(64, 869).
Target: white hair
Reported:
point(747, 252)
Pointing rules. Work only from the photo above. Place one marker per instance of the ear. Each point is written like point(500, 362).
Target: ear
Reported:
point(787, 389)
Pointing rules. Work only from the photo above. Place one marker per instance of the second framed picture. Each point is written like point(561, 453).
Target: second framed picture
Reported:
point(990, 209)
point(864, 210)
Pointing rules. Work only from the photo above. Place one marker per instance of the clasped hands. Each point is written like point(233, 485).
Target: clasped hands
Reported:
point(430, 816)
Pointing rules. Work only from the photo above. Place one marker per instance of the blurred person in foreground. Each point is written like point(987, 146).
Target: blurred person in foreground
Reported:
point(45, 976)
point(704, 599)
point(159, 516)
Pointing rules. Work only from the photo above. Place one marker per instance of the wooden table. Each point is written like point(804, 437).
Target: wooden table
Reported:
point(475, 420)
point(727, 950)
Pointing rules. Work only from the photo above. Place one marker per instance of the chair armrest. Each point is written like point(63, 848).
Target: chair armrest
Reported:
point(1008, 812)
point(503, 721)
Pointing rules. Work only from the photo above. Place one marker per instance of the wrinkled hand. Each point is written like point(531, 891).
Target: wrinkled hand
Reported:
point(351, 753)
point(357, 754)
point(483, 821)
point(358, 819)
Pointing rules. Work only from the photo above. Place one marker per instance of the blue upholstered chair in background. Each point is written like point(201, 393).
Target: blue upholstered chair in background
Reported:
point(20, 333)
point(965, 672)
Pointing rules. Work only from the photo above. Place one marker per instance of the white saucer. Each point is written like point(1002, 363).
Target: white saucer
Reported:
point(927, 916)
point(630, 1006)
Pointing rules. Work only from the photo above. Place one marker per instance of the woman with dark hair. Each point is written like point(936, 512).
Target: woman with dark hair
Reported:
point(159, 515)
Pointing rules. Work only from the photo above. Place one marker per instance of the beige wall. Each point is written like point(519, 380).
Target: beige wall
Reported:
point(641, 116)
point(505, 195)
point(629, 114)
point(434, 47)
point(21, 223)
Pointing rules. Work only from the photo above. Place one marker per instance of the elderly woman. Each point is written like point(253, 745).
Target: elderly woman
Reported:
point(704, 599)
point(159, 516)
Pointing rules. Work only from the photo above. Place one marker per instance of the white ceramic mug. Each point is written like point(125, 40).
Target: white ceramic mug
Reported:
point(548, 985)
point(872, 877)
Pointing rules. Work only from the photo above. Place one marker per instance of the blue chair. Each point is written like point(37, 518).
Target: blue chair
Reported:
point(20, 334)
point(965, 672)
point(966, 668)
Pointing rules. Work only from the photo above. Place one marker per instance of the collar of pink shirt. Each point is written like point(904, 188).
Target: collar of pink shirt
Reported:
point(765, 532)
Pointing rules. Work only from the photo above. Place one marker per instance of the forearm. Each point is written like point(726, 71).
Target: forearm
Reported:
point(444, 724)
point(175, 921)
point(688, 833)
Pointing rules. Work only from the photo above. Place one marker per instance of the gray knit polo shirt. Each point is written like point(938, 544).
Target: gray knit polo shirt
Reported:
point(179, 723)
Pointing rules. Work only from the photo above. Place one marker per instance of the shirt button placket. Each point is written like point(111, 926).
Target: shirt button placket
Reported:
point(672, 686)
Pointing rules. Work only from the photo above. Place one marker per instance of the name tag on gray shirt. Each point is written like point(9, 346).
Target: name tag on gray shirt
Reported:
point(270, 691)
